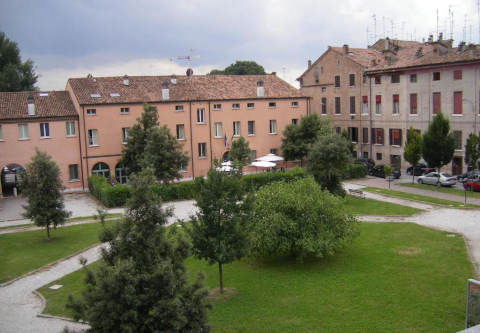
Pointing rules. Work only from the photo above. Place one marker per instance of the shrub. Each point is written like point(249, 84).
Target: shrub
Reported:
point(355, 171)
point(175, 191)
point(255, 181)
point(299, 219)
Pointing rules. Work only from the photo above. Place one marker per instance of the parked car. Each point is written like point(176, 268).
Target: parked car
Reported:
point(472, 185)
point(437, 178)
point(377, 171)
point(469, 175)
point(368, 162)
point(419, 169)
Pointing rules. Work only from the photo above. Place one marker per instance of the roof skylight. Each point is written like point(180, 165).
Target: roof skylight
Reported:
point(114, 95)
point(95, 95)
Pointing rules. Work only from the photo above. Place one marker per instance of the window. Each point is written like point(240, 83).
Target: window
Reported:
point(202, 149)
point(337, 81)
point(200, 116)
point(180, 132)
point(272, 104)
point(294, 121)
point(70, 128)
point(124, 135)
point(253, 155)
point(294, 104)
point(457, 102)
point(352, 104)
point(124, 110)
point(353, 134)
point(44, 130)
point(338, 130)
point(101, 169)
point(92, 137)
point(91, 112)
point(73, 172)
point(378, 104)
point(436, 76)
point(217, 107)
point(378, 80)
point(365, 135)
point(273, 127)
point(458, 139)
point(1, 133)
point(437, 102)
point(324, 105)
point(22, 131)
point(250, 105)
point(351, 80)
point(324, 89)
point(364, 104)
point(377, 136)
point(396, 107)
point(178, 108)
point(365, 154)
point(337, 105)
point(273, 151)
point(236, 106)
point(413, 103)
point(217, 130)
point(395, 137)
point(395, 78)
point(95, 95)
point(251, 127)
point(121, 173)
point(457, 75)
point(413, 78)
point(236, 128)
point(378, 156)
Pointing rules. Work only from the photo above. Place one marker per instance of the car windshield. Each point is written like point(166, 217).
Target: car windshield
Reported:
point(444, 174)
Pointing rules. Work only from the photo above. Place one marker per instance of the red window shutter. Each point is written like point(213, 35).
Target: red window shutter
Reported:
point(457, 102)
point(413, 101)
point(396, 135)
point(395, 98)
point(436, 102)
point(364, 99)
point(378, 99)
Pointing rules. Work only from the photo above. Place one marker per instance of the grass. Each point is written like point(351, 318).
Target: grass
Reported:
point(441, 189)
point(359, 206)
point(23, 252)
point(418, 197)
point(394, 277)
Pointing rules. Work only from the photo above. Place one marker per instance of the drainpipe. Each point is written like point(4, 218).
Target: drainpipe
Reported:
point(210, 135)
point(370, 110)
point(85, 137)
point(81, 162)
point(191, 141)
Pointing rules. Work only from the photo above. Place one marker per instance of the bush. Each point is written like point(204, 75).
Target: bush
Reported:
point(255, 181)
point(175, 191)
point(355, 171)
point(298, 219)
point(110, 196)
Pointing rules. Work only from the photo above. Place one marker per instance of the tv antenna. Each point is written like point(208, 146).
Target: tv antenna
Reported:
point(188, 58)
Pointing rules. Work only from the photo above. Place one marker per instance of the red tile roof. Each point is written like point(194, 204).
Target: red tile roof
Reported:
point(13, 105)
point(198, 87)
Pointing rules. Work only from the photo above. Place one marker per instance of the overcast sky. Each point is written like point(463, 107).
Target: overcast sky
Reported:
point(67, 38)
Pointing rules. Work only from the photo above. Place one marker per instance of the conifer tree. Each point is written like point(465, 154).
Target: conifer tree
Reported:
point(413, 149)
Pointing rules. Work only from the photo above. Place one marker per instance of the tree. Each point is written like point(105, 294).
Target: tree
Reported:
point(240, 152)
point(219, 230)
point(41, 184)
point(240, 68)
point(413, 149)
point(148, 144)
point(472, 151)
point(328, 161)
point(347, 137)
point(15, 75)
point(298, 219)
point(141, 285)
point(387, 170)
point(438, 143)
point(297, 139)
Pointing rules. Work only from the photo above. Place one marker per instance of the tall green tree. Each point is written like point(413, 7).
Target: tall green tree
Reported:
point(41, 185)
point(472, 151)
point(413, 149)
point(328, 160)
point(240, 68)
point(15, 75)
point(347, 137)
point(438, 143)
point(219, 229)
point(148, 144)
point(142, 284)
point(240, 152)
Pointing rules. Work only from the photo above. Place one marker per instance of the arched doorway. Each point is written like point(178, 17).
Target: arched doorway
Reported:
point(101, 169)
point(121, 173)
point(10, 178)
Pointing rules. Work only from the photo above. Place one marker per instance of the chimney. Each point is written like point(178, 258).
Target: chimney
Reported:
point(165, 90)
point(30, 105)
point(387, 43)
point(189, 72)
point(260, 88)
point(173, 79)
point(309, 63)
point(440, 36)
point(126, 82)
point(419, 52)
point(430, 38)
point(345, 48)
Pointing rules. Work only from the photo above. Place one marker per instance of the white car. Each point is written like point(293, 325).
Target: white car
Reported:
point(437, 178)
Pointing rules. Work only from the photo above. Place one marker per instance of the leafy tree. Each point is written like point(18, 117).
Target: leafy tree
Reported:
point(297, 139)
point(328, 161)
point(347, 137)
point(15, 75)
point(438, 143)
point(142, 285)
point(472, 151)
point(219, 230)
point(298, 219)
point(148, 144)
point(240, 152)
point(413, 149)
point(241, 68)
point(41, 184)
point(387, 170)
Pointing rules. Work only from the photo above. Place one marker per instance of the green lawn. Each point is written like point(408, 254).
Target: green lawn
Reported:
point(359, 206)
point(393, 278)
point(418, 197)
point(23, 252)
point(441, 189)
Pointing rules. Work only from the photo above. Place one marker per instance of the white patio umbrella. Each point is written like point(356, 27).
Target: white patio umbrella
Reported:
point(224, 168)
point(270, 158)
point(263, 164)
point(227, 163)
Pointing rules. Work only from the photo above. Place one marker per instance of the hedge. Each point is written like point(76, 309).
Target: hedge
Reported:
point(355, 171)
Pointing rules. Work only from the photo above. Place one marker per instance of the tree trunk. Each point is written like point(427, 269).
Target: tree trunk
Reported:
point(48, 231)
point(413, 177)
point(220, 277)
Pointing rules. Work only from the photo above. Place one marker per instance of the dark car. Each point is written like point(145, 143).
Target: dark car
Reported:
point(472, 185)
point(469, 175)
point(377, 171)
point(367, 162)
point(419, 169)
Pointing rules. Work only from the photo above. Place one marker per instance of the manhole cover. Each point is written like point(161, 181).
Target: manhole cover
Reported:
point(55, 286)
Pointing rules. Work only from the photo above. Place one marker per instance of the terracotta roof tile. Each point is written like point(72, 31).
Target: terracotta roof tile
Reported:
point(13, 105)
point(198, 87)
point(363, 57)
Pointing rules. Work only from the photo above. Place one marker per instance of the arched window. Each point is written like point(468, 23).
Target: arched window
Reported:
point(121, 173)
point(101, 169)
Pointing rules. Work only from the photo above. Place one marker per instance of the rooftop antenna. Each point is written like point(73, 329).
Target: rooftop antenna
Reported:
point(383, 21)
point(367, 38)
point(375, 26)
point(188, 58)
point(392, 31)
point(437, 21)
point(450, 17)
point(402, 36)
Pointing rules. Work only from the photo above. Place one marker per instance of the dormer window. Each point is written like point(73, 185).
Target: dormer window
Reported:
point(95, 95)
